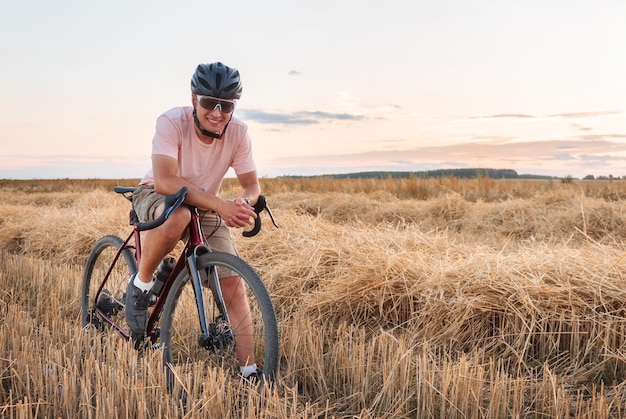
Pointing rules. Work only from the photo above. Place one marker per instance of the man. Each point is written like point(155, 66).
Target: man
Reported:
point(194, 146)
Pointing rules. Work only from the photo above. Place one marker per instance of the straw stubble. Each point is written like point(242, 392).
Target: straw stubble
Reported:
point(396, 298)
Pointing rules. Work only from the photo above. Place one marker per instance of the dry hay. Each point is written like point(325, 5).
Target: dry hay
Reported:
point(62, 227)
point(388, 307)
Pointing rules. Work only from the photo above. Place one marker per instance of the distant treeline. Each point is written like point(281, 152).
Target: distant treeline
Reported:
point(458, 173)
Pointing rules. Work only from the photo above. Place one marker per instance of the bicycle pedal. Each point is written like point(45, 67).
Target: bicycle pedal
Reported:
point(108, 304)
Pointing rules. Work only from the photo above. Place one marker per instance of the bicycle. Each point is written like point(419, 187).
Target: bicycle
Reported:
point(195, 332)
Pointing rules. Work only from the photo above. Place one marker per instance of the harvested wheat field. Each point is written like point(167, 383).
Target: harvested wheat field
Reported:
point(440, 298)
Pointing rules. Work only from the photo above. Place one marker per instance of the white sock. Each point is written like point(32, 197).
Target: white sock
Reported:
point(247, 370)
point(144, 286)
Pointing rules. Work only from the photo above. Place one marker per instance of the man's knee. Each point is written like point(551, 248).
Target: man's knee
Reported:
point(181, 216)
point(176, 223)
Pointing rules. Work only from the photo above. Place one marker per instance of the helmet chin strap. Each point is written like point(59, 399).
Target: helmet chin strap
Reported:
point(209, 133)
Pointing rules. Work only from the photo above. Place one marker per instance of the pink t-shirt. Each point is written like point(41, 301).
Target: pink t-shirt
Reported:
point(202, 165)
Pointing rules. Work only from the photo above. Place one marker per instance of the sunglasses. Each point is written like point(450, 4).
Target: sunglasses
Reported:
point(212, 103)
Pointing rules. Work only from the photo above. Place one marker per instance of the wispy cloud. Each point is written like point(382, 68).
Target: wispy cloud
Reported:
point(577, 115)
point(505, 115)
point(295, 118)
point(577, 157)
point(574, 115)
point(601, 137)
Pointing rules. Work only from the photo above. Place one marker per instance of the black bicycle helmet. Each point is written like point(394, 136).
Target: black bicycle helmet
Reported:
point(217, 80)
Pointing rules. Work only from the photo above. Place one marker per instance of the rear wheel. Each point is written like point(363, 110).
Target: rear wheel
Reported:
point(111, 300)
point(188, 359)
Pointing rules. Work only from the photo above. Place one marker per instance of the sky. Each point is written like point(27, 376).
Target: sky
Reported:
point(537, 86)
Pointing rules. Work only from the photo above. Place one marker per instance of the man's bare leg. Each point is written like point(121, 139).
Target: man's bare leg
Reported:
point(234, 292)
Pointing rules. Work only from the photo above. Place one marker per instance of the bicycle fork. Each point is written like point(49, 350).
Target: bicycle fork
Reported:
point(213, 336)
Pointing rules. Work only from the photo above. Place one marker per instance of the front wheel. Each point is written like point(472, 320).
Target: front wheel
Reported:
point(188, 358)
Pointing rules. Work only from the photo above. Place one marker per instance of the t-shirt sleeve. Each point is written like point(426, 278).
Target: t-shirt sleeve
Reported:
point(243, 159)
point(166, 138)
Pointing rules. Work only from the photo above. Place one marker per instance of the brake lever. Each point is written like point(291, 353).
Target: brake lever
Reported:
point(267, 208)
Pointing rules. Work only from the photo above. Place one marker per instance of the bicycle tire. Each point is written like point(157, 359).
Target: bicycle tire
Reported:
point(112, 297)
point(184, 358)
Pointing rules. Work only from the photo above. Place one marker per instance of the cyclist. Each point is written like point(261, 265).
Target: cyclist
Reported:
point(194, 146)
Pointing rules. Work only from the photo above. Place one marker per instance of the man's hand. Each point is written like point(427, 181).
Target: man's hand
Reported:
point(237, 213)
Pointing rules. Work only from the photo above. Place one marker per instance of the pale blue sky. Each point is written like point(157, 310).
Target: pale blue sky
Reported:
point(329, 86)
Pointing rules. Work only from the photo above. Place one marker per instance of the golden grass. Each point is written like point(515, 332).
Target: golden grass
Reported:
point(438, 298)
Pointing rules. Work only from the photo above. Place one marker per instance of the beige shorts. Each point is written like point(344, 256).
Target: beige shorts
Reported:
point(216, 233)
